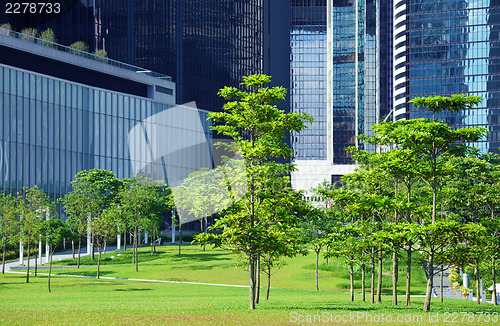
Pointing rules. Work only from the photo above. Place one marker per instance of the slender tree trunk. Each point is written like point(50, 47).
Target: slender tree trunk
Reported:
point(268, 281)
point(408, 274)
point(3, 254)
point(73, 249)
point(316, 274)
point(98, 261)
point(351, 280)
point(152, 244)
point(379, 276)
point(430, 277)
point(180, 238)
point(28, 265)
point(124, 240)
point(372, 285)
point(494, 295)
point(136, 251)
point(478, 294)
point(79, 250)
point(257, 278)
point(441, 278)
point(50, 268)
point(251, 280)
point(105, 245)
point(134, 243)
point(395, 264)
point(363, 277)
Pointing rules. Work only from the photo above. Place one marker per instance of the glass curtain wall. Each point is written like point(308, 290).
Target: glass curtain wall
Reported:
point(453, 49)
point(51, 129)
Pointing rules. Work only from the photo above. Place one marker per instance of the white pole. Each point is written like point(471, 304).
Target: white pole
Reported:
point(89, 239)
point(119, 241)
point(21, 253)
point(47, 248)
point(145, 238)
point(40, 251)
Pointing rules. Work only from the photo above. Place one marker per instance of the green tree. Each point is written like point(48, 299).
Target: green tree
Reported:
point(258, 129)
point(104, 228)
point(9, 222)
point(35, 207)
point(54, 230)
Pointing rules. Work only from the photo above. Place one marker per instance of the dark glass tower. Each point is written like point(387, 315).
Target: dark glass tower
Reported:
point(203, 45)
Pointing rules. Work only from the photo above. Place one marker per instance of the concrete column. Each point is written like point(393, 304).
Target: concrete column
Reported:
point(481, 285)
point(466, 280)
point(459, 293)
point(21, 253)
point(448, 293)
point(145, 238)
point(483, 296)
point(119, 241)
point(471, 295)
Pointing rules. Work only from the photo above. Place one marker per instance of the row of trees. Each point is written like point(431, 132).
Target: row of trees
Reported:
point(99, 204)
point(424, 191)
point(413, 195)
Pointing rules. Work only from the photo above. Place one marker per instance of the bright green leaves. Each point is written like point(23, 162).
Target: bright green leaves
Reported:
point(455, 103)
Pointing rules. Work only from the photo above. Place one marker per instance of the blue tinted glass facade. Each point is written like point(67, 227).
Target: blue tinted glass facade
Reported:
point(308, 77)
point(51, 129)
point(453, 48)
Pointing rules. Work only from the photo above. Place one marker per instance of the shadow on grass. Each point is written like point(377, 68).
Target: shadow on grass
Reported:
point(206, 256)
point(86, 273)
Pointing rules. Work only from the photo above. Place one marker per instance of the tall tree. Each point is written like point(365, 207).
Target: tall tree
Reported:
point(9, 222)
point(258, 129)
point(35, 207)
point(54, 230)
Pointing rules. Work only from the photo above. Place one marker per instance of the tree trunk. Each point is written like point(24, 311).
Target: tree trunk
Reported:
point(408, 274)
point(351, 280)
point(124, 240)
point(372, 285)
point(79, 249)
point(268, 281)
point(134, 245)
point(257, 279)
point(50, 267)
point(136, 251)
point(430, 277)
point(3, 254)
point(363, 276)
point(251, 281)
point(316, 275)
point(379, 276)
point(478, 293)
point(98, 261)
point(28, 264)
point(105, 245)
point(441, 277)
point(73, 249)
point(180, 238)
point(494, 295)
point(395, 264)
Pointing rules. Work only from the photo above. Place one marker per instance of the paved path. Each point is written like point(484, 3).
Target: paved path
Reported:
point(57, 256)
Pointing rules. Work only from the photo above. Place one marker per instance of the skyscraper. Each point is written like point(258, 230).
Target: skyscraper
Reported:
point(339, 71)
point(203, 45)
point(449, 47)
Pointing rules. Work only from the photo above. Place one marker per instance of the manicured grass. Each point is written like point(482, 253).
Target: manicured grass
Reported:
point(83, 301)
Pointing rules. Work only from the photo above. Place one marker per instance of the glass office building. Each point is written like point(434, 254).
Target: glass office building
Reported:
point(340, 67)
point(449, 47)
point(52, 128)
point(203, 45)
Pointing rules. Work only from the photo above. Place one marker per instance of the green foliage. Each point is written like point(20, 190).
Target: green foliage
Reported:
point(48, 37)
point(454, 103)
point(7, 26)
point(80, 46)
point(101, 53)
point(33, 32)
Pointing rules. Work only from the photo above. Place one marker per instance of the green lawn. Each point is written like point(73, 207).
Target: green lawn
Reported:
point(85, 301)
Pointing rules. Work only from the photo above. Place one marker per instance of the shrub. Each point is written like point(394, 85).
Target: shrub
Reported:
point(7, 26)
point(48, 35)
point(80, 45)
point(33, 32)
point(101, 53)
